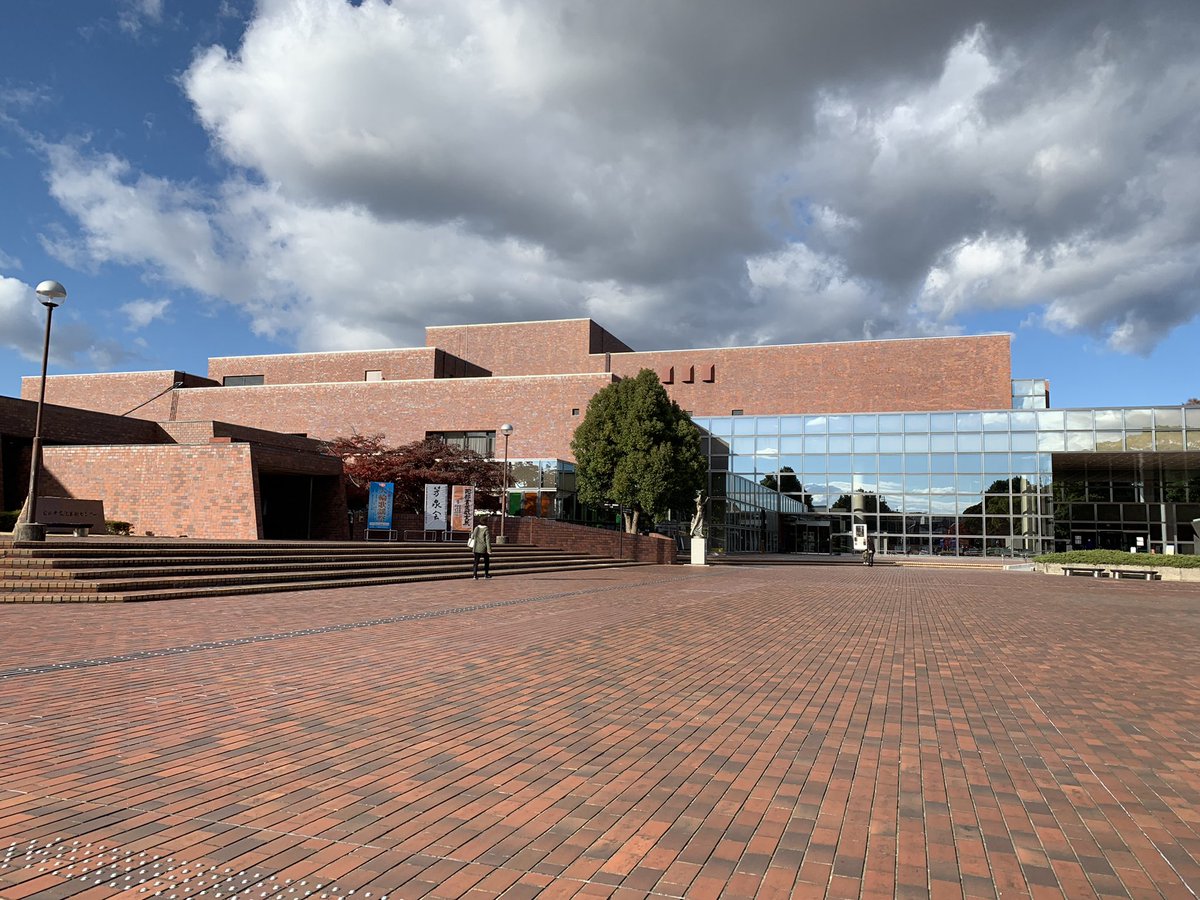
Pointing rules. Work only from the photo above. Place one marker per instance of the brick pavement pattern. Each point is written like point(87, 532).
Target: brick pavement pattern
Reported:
point(654, 732)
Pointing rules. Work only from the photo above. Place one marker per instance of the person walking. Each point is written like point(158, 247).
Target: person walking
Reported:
point(869, 553)
point(480, 543)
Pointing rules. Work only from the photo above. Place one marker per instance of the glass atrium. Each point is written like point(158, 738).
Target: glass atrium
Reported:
point(1008, 482)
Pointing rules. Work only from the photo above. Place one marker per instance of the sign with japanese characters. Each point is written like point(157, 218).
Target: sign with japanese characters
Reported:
point(379, 506)
point(462, 508)
point(437, 507)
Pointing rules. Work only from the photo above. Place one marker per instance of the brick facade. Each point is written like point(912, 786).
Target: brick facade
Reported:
point(310, 368)
point(142, 395)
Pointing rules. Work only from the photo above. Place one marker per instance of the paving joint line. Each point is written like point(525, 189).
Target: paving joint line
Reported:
point(138, 655)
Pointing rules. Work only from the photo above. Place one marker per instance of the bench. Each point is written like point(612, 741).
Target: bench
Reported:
point(1085, 570)
point(1147, 574)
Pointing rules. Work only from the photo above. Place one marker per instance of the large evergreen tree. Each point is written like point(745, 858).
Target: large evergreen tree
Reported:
point(636, 448)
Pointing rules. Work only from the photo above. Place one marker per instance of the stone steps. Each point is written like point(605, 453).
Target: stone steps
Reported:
point(123, 570)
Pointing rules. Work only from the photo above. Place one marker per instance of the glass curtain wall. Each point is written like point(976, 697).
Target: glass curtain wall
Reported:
point(955, 483)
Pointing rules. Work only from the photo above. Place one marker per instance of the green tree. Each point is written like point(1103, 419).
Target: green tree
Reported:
point(636, 448)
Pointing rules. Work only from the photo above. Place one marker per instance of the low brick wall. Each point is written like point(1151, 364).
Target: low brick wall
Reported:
point(648, 548)
point(1165, 573)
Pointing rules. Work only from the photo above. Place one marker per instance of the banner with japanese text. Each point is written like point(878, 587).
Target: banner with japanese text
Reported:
point(462, 508)
point(437, 507)
point(379, 505)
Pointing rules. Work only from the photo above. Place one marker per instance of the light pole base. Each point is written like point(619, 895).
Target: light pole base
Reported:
point(501, 539)
point(29, 531)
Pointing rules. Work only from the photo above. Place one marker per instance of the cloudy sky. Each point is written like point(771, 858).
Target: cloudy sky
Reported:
point(228, 177)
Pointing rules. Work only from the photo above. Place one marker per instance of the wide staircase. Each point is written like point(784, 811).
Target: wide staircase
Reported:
point(114, 570)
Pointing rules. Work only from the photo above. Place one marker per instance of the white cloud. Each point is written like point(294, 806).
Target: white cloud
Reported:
point(684, 172)
point(22, 330)
point(142, 312)
point(133, 15)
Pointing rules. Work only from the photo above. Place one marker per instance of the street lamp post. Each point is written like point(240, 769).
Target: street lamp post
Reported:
point(51, 294)
point(505, 429)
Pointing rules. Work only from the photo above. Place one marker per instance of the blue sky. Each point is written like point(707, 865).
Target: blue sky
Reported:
point(223, 178)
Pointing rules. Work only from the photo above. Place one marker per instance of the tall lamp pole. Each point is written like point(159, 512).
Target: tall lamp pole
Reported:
point(505, 429)
point(51, 294)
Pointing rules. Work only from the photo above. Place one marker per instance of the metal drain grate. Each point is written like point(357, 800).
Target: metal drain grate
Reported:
point(156, 875)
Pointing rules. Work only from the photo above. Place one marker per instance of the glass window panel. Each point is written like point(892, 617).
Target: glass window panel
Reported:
point(893, 487)
point(993, 421)
point(996, 464)
point(916, 443)
point(866, 424)
point(840, 424)
point(970, 484)
point(743, 445)
point(942, 484)
point(792, 445)
point(1109, 419)
point(891, 443)
point(866, 483)
point(839, 443)
point(1139, 440)
point(967, 462)
point(812, 464)
point(1168, 419)
point(1023, 421)
point(702, 422)
point(864, 462)
point(891, 423)
point(767, 446)
point(719, 464)
point(1024, 463)
point(743, 425)
point(1079, 419)
point(941, 462)
point(791, 425)
point(1050, 420)
point(743, 465)
point(1170, 440)
point(793, 462)
point(916, 524)
point(1191, 417)
point(865, 443)
point(913, 483)
point(1051, 441)
point(995, 442)
point(891, 462)
point(969, 442)
point(838, 483)
point(767, 424)
point(1109, 440)
point(1080, 440)
point(916, 462)
point(1193, 439)
point(941, 443)
point(916, 422)
point(840, 463)
point(816, 424)
point(1140, 419)
point(1024, 440)
point(815, 443)
point(1022, 386)
point(970, 422)
point(721, 426)
point(941, 422)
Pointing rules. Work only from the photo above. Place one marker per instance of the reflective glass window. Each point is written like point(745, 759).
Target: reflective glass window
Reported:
point(793, 462)
point(968, 442)
point(816, 424)
point(743, 465)
point(1109, 419)
point(995, 442)
point(1079, 419)
point(702, 422)
point(916, 443)
point(1138, 419)
point(865, 482)
point(942, 484)
point(1168, 419)
point(743, 445)
point(994, 421)
point(743, 425)
point(916, 462)
point(1110, 440)
point(768, 425)
point(891, 462)
point(916, 503)
point(1050, 420)
point(891, 423)
point(1191, 417)
point(866, 424)
point(767, 446)
point(813, 464)
point(1139, 440)
point(865, 443)
point(1052, 441)
point(1023, 421)
point(891, 443)
point(890, 486)
point(840, 463)
point(941, 443)
point(815, 443)
point(840, 424)
point(968, 462)
point(1022, 386)
point(916, 483)
point(839, 443)
point(970, 484)
point(996, 464)
point(721, 426)
point(941, 462)
point(838, 483)
point(792, 445)
point(916, 422)
point(940, 422)
point(1024, 440)
point(1024, 464)
point(970, 422)
point(864, 462)
point(791, 425)
point(719, 464)
point(1170, 440)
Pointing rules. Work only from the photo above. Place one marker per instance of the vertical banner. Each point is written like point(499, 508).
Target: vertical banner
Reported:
point(462, 508)
point(437, 507)
point(379, 506)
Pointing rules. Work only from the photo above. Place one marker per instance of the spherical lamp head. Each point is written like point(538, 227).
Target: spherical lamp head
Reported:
point(51, 293)
point(506, 429)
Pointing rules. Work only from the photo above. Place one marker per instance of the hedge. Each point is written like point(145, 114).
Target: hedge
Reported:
point(1120, 558)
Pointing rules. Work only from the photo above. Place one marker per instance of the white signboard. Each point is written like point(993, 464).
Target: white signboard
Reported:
point(437, 507)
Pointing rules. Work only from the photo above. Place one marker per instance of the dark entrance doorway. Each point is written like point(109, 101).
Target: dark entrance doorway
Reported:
point(287, 506)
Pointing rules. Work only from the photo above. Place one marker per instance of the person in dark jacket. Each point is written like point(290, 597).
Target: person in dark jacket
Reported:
point(869, 553)
point(481, 548)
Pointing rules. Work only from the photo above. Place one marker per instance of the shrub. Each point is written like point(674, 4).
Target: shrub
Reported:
point(8, 520)
point(112, 526)
point(1120, 558)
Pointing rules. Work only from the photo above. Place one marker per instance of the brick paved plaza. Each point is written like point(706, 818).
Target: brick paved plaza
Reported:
point(653, 732)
